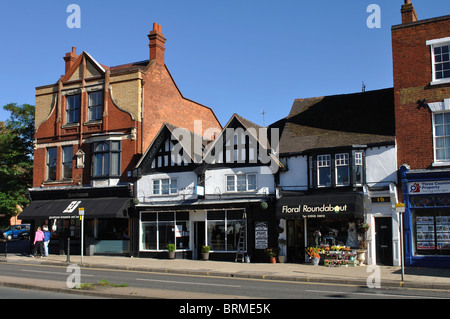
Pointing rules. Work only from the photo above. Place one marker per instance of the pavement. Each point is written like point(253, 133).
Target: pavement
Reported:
point(384, 276)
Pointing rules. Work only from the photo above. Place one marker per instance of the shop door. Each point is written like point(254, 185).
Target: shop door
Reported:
point(199, 229)
point(295, 241)
point(383, 240)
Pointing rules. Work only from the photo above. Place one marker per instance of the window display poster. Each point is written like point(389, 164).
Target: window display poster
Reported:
point(425, 232)
point(261, 235)
point(433, 232)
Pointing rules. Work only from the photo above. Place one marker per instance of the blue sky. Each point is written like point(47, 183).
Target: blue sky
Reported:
point(235, 56)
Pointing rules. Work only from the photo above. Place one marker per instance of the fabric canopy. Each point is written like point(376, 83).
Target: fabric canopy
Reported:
point(108, 207)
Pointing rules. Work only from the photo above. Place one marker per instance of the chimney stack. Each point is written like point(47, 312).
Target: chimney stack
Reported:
point(156, 45)
point(70, 58)
point(408, 12)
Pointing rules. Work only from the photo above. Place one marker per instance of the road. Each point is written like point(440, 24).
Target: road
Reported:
point(183, 286)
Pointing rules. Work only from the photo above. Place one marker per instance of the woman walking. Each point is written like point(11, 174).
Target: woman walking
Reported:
point(38, 243)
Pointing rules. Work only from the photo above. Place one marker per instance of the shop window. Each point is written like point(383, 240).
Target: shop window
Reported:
point(223, 229)
point(431, 231)
point(167, 186)
point(241, 183)
point(51, 164)
point(72, 109)
point(342, 169)
point(67, 157)
point(106, 159)
point(324, 170)
point(160, 229)
point(95, 106)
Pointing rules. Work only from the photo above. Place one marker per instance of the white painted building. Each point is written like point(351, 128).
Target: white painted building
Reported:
point(339, 151)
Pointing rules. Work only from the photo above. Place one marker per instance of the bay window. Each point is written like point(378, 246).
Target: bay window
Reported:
point(346, 169)
point(106, 159)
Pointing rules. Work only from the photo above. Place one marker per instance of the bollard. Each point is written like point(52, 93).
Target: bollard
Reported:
point(68, 250)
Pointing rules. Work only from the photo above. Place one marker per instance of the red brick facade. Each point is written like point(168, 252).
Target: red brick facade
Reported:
point(413, 77)
point(137, 99)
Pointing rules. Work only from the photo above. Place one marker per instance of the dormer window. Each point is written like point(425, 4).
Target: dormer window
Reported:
point(336, 170)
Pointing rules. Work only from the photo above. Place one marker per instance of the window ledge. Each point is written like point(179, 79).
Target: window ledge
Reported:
point(68, 125)
point(442, 81)
point(440, 164)
point(93, 122)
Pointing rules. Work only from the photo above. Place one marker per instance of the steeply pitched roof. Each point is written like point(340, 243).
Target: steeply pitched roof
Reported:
point(339, 120)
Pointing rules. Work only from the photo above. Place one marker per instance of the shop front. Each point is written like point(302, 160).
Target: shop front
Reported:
point(107, 216)
point(326, 221)
point(427, 218)
point(225, 228)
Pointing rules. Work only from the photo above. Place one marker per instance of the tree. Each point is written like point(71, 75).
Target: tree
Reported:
point(16, 159)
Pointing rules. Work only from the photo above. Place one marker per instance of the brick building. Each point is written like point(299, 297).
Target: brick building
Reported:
point(421, 67)
point(92, 127)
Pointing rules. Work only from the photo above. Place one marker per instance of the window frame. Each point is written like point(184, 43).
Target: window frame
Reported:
point(72, 110)
point(172, 187)
point(320, 164)
point(433, 45)
point(112, 152)
point(67, 162)
point(318, 161)
point(337, 164)
point(97, 107)
point(435, 137)
point(54, 164)
point(237, 188)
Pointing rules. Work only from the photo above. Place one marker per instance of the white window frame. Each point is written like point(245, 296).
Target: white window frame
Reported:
point(342, 159)
point(436, 160)
point(323, 161)
point(172, 181)
point(235, 185)
point(358, 163)
point(433, 44)
point(95, 110)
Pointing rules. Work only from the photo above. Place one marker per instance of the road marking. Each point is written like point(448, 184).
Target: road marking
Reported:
point(52, 272)
point(188, 283)
point(375, 294)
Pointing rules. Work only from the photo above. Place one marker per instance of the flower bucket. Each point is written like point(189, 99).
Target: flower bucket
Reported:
point(315, 261)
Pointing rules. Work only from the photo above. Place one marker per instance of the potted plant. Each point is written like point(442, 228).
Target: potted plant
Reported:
point(171, 249)
point(282, 256)
point(272, 253)
point(205, 252)
point(361, 253)
point(313, 253)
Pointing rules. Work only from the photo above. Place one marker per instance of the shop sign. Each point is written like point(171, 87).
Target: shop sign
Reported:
point(309, 210)
point(429, 187)
point(261, 235)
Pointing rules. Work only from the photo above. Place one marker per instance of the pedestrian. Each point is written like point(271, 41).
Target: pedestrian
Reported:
point(47, 236)
point(38, 242)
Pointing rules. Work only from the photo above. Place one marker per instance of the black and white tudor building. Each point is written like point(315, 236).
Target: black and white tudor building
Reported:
point(193, 192)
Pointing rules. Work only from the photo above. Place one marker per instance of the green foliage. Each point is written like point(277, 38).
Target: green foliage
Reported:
point(16, 159)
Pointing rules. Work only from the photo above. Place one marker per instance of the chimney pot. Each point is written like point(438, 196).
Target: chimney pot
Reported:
point(408, 12)
point(157, 44)
point(70, 58)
